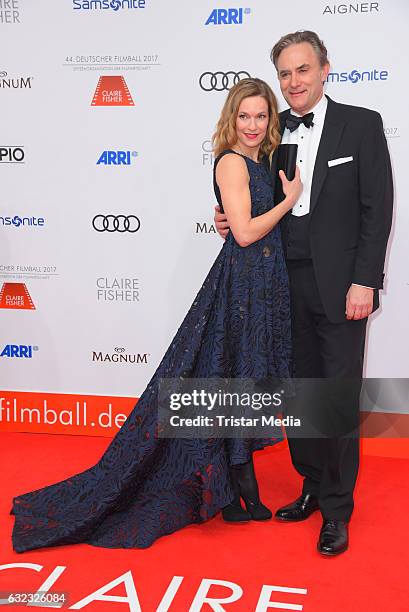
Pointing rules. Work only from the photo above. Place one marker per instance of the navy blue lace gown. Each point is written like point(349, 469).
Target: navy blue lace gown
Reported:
point(144, 486)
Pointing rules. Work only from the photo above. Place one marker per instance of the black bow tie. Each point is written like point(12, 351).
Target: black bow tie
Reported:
point(292, 122)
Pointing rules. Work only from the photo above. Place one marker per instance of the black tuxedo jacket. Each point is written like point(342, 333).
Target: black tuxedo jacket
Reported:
point(351, 205)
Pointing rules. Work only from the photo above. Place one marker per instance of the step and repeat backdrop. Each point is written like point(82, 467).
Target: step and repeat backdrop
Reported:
point(106, 215)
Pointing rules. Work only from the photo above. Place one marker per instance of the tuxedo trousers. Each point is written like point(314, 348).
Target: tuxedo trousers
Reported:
point(326, 350)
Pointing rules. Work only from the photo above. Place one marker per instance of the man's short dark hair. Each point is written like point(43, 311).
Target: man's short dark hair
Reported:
point(295, 38)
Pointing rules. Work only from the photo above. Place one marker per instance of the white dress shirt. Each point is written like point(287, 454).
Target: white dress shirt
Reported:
point(308, 140)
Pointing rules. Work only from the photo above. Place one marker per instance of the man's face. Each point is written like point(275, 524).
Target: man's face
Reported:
point(301, 76)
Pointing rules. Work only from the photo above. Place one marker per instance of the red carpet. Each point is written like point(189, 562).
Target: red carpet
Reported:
point(371, 576)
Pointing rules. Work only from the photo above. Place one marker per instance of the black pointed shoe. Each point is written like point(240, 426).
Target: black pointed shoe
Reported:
point(299, 510)
point(258, 511)
point(234, 513)
point(333, 538)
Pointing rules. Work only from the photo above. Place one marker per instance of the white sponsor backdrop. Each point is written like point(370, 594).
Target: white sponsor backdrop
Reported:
point(161, 50)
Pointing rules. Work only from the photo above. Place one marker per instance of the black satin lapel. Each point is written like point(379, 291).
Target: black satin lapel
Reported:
point(283, 116)
point(331, 134)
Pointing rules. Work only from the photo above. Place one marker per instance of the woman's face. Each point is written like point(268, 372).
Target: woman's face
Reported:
point(252, 122)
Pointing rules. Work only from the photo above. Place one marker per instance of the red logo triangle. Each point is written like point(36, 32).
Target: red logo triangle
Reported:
point(16, 295)
point(112, 91)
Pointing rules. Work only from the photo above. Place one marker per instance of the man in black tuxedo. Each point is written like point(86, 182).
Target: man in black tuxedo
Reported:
point(335, 240)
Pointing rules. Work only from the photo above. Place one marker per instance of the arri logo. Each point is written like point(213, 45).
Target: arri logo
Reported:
point(11, 154)
point(117, 158)
point(112, 91)
point(229, 16)
point(105, 5)
point(17, 221)
point(22, 351)
point(16, 295)
point(355, 76)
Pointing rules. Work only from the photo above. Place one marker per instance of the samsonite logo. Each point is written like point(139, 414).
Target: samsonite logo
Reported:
point(358, 76)
point(227, 16)
point(21, 351)
point(116, 158)
point(17, 221)
point(106, 5)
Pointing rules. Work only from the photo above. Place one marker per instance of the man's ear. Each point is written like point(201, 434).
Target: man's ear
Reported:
point(325, 72)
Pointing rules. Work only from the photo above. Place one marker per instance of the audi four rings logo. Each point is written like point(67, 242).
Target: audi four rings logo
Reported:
point(116, 223)
point(221, 81)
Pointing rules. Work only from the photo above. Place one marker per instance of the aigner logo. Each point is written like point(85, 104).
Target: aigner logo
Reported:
point(230, 16)
point(357, 7)
point(221, 81)
point(117, 158)
point(116, 223)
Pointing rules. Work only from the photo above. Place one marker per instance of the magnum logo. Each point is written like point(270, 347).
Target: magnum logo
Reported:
point(112, 91)
point(16, 295)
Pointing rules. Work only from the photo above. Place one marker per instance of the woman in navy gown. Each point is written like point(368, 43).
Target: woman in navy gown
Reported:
point(238, 326)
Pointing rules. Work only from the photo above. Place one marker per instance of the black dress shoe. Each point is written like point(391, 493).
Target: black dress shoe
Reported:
point(333, 538)
point(234, 513)
point(299, 510)
point(258, 511)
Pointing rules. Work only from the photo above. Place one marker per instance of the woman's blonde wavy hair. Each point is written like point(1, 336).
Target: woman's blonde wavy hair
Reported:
point(225, 136)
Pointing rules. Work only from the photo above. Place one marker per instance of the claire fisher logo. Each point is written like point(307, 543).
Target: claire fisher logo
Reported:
point(106, 5)
point(9, 11)
point(351, 9)
point(356, 76)
point(118, 289)
point(207, 153)
point(16, 296)
point(112, 91)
